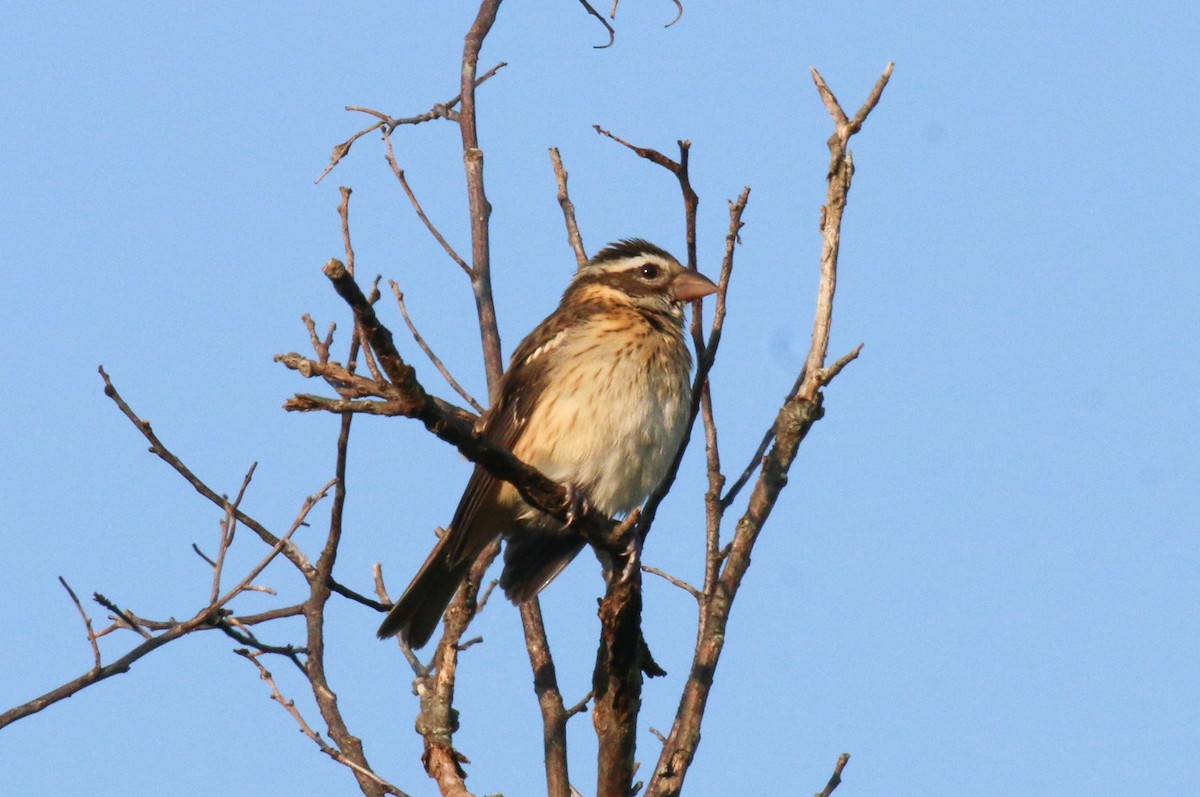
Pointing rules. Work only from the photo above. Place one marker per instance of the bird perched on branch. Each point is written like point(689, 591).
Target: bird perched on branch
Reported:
point(597, 398)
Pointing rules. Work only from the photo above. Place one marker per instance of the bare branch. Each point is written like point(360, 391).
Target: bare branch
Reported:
point(321, 347)
point(706, 354)
point(441, 110)
point(225, 616)
point(545, 686)
point(841, 171)
point(755, 461)
point(412, 198)
point(836, 778)
point(87, 621)
point(278, 547)
point(307, 402)
point(829, 373)
point(652, 155)
point(94, 675)
point(203, 555)
point(678, 13)
point(294, 554)
point(678, 582)
point(350, 747)
point(480, 208)
point(344, 213)
point(433, 358)
point(122, 617)
point(795, 417)
point(346, 592)
point(612, 34)
point(228, 525)
point(568, 209)
point(306, 729)
point(437, 721)
point(581, 706)
point(204, 618)
point(617, 677)
point(848, 127)
point(413, 401)
point(243, 636)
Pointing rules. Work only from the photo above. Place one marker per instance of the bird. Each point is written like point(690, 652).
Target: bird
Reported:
point(596, 397)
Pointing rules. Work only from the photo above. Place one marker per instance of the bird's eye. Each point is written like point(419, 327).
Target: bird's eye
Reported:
point(648, 271)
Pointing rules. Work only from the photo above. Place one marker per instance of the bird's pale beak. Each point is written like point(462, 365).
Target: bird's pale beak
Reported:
point(691, 285)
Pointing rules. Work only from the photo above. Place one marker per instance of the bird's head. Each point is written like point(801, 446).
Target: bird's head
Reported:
point(638, 272)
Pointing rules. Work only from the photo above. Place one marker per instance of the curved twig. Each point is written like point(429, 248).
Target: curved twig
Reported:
point(612, 34)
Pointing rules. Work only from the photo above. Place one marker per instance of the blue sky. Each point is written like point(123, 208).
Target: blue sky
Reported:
point(983, 575)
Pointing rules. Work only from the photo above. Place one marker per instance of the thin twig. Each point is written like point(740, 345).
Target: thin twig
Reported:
point(652, 155)
point(122, 617)
point(348, 744)
point(841, 171)
point(203, 555)
point(795, 418)
point(678, 13)
point(244, 637)
point(568, 209)
point(441, 110)
point(346, 592)
point(829, 373)
point(87, 621)
point(755, 461)
point(202, 619)
point(480, 208)
point(449, 425)
point(238, 620)
point(433, 358)
point(293, 553)
point(612, 34)
point(344, 213)
point(836, 778)
point(306, 729)
point(581, 706)
point(360, 342)
point(276, 549)
point(683, 585)
point(412, 198)
point(419, 669)
point(228, 526)
point(321, 347)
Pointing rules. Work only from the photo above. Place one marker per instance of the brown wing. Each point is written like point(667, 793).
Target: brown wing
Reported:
point(518, 393)
point(478, 519)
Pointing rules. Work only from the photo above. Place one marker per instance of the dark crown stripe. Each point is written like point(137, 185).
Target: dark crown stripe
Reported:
point(630, 247)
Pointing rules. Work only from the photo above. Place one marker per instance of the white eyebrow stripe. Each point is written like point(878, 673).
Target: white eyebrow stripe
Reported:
point(628, 264)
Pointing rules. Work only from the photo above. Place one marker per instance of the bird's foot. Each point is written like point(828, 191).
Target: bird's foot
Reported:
point(632, 557)
point(577, 504)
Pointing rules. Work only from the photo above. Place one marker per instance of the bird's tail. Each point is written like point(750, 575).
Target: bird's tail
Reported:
point(416, 614)
point(532, 560)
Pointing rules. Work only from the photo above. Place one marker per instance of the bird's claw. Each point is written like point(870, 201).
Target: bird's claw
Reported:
point(633, 559)
point(577, 505)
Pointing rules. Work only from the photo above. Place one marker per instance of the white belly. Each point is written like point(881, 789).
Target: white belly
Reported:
point(615, 418)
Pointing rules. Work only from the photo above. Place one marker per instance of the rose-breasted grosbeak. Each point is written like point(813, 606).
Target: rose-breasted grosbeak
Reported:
point(596, 397)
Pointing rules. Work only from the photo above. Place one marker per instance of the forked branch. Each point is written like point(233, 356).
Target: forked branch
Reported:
point(799, 412)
